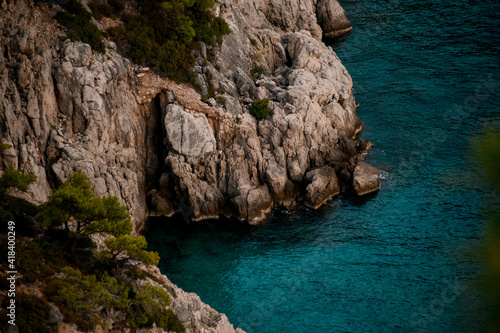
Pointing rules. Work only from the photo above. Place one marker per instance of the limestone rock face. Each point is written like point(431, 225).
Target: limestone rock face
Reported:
point(67, 108)
point(188, 134)
point(258, 164)
point(365, 179)
point(195, 315)
point(155, 144)
point(332, 18)
point(323, 185)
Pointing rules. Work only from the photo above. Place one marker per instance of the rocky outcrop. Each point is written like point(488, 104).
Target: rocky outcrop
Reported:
point(323, 185)
point(159, 147)
point(155, 144)
point(258, 164)
point(365, 179)
point(195, 315)
point(332, 19)
point(188, 134)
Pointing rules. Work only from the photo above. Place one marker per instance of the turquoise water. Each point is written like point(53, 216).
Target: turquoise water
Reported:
point(426, 74)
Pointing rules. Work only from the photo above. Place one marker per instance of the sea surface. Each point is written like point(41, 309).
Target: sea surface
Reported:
point(427, 76)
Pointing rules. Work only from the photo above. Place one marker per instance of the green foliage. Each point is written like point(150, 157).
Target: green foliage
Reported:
point(132, 245)
point(257, 71)
point(14, 178)
point(4, 146)
point(253, 42)
point(32, 313)
point(5, 216)
point(84, 296)
point(80, 28)
point(148, 307)
point(260, 108)
point(164, 34)
point(126, 247)
point(221, 100)
point(487, 152)
point(74, 201)
point(39, 259)
point(12, 208)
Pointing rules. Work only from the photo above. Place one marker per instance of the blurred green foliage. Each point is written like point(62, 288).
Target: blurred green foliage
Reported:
point(32, 313)
point(487, 151)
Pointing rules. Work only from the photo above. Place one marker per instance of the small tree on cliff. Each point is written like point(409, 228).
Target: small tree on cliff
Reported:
point(12, 208)
point(74, 206)
point(121, 250)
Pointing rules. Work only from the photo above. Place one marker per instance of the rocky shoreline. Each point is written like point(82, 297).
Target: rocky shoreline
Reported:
point(157, 145)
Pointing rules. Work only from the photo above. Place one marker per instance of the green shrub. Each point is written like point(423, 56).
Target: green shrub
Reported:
point(32, 313)
point(253, 42)
point(31, 263)
point(16, 209)
point(148, 307)
point(100, 10)
point(260, 108)
point(80, 28)
point(163, 34)
point(82, 297)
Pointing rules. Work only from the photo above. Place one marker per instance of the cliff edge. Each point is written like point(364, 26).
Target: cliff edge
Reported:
point(160, 146)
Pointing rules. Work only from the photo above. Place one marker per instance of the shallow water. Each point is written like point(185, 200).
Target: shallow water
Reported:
point(426, 74)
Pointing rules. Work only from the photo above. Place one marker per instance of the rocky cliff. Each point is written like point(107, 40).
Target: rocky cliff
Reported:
point(157, 145)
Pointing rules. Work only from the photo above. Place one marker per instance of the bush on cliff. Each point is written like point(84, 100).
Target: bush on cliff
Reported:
point(82, 284)
point(148, 307)
point(164, 33)
point(32, 314)
point(260, 108)
point(80, 28)
point(81, 297)
point(74, 203)
point(16, 209)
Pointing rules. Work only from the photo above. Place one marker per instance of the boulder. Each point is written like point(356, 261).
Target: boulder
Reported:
point(259, 204)
point(365, 179)
point(323, 185)
point(332, 18)
point(188, 134)
point(55, 315)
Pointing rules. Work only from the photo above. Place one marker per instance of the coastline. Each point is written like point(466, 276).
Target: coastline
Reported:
point(70, 108)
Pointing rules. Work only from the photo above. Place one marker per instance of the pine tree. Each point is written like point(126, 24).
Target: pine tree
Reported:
point(125, 248)
point(74, 205)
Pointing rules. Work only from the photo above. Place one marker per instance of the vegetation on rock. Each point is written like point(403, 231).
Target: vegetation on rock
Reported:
point(80, 28)
point(85, 282)
point(164, 34)
point(13, 208)
point(260, 108)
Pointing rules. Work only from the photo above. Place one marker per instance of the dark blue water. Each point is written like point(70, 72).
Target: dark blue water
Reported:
point(426, 74)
